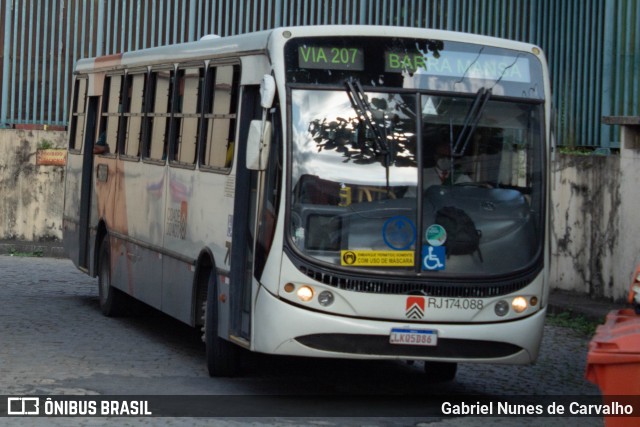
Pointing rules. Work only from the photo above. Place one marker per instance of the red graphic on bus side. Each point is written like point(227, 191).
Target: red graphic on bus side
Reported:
point(415, 308)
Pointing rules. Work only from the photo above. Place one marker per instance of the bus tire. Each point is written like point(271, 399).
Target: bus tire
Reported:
point(438, 372)
point(112, 300)
point(222, 355)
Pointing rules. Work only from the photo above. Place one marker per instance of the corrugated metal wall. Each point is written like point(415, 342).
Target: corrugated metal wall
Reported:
point(592, 45)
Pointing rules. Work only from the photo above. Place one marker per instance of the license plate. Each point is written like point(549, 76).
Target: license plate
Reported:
point(426, 337)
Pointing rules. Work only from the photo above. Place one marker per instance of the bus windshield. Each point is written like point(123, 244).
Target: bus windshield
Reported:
point(416, 157)
point(411, 179)
point(455, 185)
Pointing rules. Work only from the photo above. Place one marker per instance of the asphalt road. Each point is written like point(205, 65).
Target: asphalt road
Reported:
point(54, 341)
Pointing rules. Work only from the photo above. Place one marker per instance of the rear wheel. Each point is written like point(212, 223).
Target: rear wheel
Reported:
point(222, 355)
point(112, 300)
point(440, 371)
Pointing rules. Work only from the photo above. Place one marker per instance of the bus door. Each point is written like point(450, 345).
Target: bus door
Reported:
point(93, 103)
point(79, 175)
point(257, 194)
point(244, 218)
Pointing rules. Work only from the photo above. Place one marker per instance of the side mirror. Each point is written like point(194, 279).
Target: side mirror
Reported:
point(258, 143)
point(259, 139)
point(267, 91)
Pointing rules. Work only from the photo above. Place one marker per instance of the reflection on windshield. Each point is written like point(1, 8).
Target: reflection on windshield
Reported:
point(330, 135)
point(445, 161)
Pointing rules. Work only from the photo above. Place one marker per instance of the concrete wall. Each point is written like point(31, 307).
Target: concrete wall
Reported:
point(596, 220)
point(628, 248)
point(32, 196)
point(586, 200)
point(595, 210)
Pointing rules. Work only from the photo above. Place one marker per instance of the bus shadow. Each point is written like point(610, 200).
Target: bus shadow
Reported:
point(155, 324)
point(305, 375)
point(271, 374)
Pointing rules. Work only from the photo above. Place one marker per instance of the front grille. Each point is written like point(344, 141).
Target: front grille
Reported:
point(380, 346)
point(418, 287)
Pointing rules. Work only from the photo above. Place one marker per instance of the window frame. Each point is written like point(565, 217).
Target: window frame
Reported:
point(127, 114)
point(209, 116)
point(151, 115)
point(106, 115)
point(76, 114)
point(176, 130)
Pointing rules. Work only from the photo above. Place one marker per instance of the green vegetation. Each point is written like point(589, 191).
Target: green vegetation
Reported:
point(585, 151)
point(36, 253)
point(45, 144)
point(574, 151)
point(571, 320)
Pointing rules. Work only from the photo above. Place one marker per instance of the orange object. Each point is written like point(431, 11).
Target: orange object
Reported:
point(634, 290)
point(613, 361)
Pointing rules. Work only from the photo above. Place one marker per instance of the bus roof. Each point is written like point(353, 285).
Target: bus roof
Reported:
point(243, 44)
point(258, 42)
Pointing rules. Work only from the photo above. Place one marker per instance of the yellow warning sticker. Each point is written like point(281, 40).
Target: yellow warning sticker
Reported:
point(366, 258)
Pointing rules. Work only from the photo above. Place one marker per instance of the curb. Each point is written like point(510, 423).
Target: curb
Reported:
point(52, 249)
point(596, 309)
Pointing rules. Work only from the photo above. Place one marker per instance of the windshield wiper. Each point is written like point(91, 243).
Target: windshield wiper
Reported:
point(363, 110)
point(365, 114)
point(471, 121)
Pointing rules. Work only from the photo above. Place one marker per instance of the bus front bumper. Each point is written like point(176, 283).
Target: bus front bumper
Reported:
point(280, 327)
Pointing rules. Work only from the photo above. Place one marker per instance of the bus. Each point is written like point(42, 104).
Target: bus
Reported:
point(362, 192)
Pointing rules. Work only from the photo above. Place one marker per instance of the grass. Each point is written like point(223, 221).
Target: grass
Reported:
point(45, 144)
point(15, 252)
point(571, 320)
point(585, 151)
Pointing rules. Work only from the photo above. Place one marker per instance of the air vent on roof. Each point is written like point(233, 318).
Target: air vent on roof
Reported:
point(210, 37)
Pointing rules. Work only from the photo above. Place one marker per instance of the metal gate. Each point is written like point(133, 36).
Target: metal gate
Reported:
point(592, 45)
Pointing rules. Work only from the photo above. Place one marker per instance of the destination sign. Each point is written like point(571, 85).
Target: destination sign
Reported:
point(472, 65)
point(331, 57)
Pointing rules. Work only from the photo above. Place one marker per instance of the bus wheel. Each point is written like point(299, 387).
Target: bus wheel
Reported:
point(438, 372)
point(222, 355)
point(112, 300)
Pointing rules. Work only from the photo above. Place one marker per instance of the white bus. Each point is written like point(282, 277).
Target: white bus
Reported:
point(330, 191)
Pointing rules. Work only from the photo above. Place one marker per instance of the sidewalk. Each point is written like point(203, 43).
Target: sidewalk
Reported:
point(581, 304)
point(52, 249)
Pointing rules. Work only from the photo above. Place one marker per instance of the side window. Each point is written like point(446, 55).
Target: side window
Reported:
point(111, 108)
point(76, 134)
point(186, 114)
point(133, 113)
point(156, 147)
point(220, 117)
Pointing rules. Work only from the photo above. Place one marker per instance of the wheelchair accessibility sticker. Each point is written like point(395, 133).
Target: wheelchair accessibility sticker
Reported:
point(433, 258)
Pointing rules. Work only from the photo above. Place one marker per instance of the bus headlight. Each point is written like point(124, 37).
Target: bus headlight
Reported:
point(501, 308)
point(519, 304)
point(305, 293)
point(325, 298)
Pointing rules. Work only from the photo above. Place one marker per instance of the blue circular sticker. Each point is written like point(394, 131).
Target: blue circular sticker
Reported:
point(399, 232)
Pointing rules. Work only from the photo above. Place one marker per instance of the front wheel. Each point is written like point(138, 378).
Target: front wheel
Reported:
point(222, 355)
point(112, 300)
